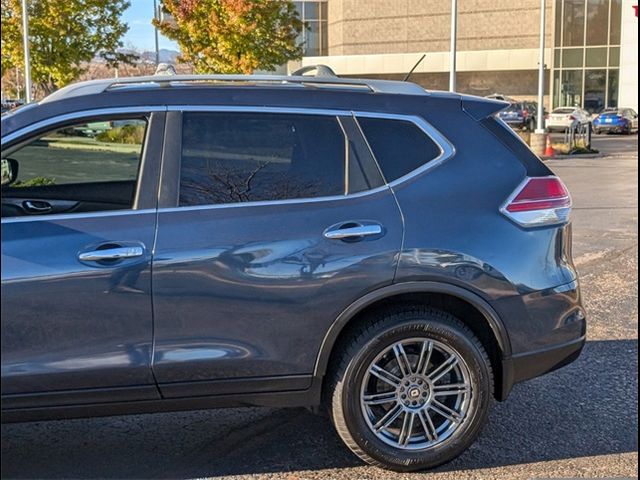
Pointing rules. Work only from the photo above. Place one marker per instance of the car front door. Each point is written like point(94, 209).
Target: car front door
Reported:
point(271, 223)
point(78, 225)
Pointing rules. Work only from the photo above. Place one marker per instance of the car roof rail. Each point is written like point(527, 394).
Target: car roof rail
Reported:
point(324, 77)
point(321, 71)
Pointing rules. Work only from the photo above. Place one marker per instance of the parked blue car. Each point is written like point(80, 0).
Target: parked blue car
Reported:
point(396, 256)
point(616, 120)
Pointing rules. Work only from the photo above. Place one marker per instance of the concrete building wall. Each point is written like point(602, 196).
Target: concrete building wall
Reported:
point(365, 27)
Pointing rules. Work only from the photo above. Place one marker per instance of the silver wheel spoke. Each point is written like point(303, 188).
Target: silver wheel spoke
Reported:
point(407, 428)
point(443, 369)
point(451, 389)
point(384, 375)
point(401, 358)
point(388, 419)
point(446, 412)
point(427, 425)
point(425, 357)
point(380, 398)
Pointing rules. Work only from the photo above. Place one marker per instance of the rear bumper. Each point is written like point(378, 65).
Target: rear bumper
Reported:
point(610, 128)
point(534, 364)
point(557, 128)
point(556, 336)
point(515, 123)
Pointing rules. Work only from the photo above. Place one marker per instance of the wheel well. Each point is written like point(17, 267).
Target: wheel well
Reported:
point(461, 309)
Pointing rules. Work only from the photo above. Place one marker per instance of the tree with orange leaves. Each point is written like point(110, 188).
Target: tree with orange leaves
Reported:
point(233, 36)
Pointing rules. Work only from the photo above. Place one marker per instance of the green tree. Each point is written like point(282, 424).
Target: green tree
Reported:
point(65, 35)
point(233, 36)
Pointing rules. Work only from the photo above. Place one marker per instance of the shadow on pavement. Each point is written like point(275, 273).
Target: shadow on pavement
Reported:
point(588, 408)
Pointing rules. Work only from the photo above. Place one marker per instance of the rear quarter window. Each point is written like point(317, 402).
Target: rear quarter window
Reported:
point(399, 146)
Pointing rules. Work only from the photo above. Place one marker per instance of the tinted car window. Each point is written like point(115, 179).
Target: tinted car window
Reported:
point(399, 146)
point(248, 157)
point(514, 107)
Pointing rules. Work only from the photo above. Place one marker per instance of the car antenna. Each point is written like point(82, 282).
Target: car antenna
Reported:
point(414, 67)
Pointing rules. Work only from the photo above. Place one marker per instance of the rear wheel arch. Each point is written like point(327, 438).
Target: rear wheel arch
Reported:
point(477, 314)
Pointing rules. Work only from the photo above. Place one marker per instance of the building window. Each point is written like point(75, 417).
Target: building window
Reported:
point(314, 37)
point(587, 53)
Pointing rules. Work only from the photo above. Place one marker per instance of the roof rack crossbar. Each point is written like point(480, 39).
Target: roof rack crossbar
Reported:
point(93, 87)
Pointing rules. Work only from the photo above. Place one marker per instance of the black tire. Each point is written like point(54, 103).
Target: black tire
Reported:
point(365, 344)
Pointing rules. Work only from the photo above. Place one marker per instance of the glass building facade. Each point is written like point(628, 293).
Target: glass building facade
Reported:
point(314, 37)
point(586, 64)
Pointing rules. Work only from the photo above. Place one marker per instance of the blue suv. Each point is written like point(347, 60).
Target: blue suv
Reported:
point(396, 255)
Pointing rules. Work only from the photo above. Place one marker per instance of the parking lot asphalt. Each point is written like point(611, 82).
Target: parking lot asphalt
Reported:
point(581, 421)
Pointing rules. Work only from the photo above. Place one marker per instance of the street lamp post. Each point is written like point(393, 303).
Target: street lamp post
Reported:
point(540, 125)
point(452, 61)
point(27, 61)
point(157, 18)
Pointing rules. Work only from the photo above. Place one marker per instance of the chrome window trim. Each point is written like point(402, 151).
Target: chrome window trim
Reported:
point(79, 115)
point(266, 203)
point(70, 216)
point(447, 150)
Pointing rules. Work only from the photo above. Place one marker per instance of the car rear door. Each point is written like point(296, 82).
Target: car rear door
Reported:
point(77, 235)
point(272, 221)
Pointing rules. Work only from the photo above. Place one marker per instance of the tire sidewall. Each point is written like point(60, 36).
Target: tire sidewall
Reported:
point(435, 329)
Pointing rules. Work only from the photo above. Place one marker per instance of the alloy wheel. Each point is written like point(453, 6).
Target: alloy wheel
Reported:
point(416, 394)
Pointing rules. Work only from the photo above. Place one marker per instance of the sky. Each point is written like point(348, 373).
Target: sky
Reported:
point(141, 33)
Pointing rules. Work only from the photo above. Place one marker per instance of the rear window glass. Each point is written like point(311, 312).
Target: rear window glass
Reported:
point(563, 110)
point(398, 145)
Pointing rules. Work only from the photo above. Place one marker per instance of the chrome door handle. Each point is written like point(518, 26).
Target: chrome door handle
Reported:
point(116, 253)
point(353, 232)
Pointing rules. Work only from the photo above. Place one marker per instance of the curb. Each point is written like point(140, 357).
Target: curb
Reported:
point(576, 155)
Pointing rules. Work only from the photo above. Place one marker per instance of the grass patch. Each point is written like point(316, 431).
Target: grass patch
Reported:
point(129, 134)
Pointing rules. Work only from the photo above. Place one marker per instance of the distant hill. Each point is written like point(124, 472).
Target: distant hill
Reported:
point(166, 55)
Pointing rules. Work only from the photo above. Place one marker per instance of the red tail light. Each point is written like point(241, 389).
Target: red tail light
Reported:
point(546, 116)
point(539, 201)
point(571, 117)
point(525, 113)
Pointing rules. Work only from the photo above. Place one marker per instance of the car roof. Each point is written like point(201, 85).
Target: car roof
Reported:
point(308, 92)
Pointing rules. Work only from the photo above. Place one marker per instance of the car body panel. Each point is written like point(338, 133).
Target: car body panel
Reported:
point(68, 325)
point(252, 289)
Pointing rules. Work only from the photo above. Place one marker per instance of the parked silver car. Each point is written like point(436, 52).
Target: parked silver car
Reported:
point(563, 118)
